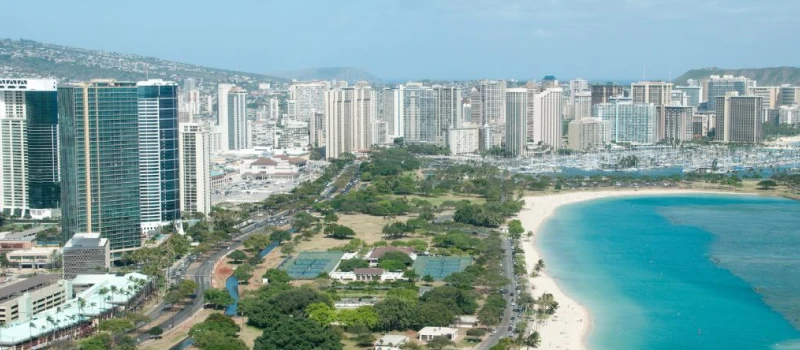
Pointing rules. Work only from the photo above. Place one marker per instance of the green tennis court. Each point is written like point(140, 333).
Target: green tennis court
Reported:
point(440, 267)
point(308, 265)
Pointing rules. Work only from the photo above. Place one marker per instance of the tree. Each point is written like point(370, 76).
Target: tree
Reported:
point(101, 341)
point(280, 236)
point(435, 314)
point(321, 313)
point(392, 265)
point(257, 242)
point(439, 343)
point(287, 248)
point(218, 298)
point(533, 340)
point(297, 333)
point(303, 221)
point(116, 325)
point(427, 278)
point(156, 332)
point(213, 340)
point(277, 276)
point(237, 256)
point(216, 322)
point(342, 232)
point(411, 275)
point(364, 339)
point(396, 314)
point(173, 297)
point(294, 301)
point(243, 273)
point(362, 316)
point(515, 229)
point(766, 184)
point(187, 288)
point(348, 265)
point(397, 256)
point(462, 302)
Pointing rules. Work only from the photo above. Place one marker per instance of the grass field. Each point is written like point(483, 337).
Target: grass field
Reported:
point(441, 199)
point(367, 227)
point(248, 334)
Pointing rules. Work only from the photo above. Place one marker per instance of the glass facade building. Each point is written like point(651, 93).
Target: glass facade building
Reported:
point(99, 147)
point(158, 153)
point(44, 189)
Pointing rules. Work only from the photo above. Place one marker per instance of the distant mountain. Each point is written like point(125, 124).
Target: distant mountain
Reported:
point(27, 58)
point(328, 73)
point(764, 76)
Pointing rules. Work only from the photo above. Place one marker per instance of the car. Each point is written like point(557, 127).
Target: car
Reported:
point(510, 328)
point(513, 318)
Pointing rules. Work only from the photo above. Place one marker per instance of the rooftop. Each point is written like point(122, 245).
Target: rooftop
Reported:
point(86, 240)
point(438, 331)
point(91, 302)
point(34, 251)
point(22, 286)
point(369, 271)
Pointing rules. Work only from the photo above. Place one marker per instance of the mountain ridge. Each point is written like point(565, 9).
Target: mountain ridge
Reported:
point(29, 58)
point(767, 76)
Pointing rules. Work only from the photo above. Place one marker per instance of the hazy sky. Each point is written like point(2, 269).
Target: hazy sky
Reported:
point(437, 39)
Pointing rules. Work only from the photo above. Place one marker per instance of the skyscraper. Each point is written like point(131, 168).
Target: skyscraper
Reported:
point(309, 97)
point(448, 111)
point(635, 123)
point(601, 93)
point(738, 118)
point(769, 95)
point(419, 113)
point(158, 153)
point(693, 93)
point(516, 121)
point(675, 123)
point(99, 139)
point(237, 119)
point(222, 115)
point(195, 176)
point(588, 133)
point(718, 86)
point(547, 126)
point(655, 92)
point(491, 106)
point(581, 105)
point(349, 114)
point(29, 172)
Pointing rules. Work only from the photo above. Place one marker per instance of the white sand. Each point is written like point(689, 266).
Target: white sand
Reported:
point(784, 141)
point(568, 327)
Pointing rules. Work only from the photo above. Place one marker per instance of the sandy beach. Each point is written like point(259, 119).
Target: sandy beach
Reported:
point(571, 322)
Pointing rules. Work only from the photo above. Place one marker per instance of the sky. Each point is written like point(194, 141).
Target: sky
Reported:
point(429, 39)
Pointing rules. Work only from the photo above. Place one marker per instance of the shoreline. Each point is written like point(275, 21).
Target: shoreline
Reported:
point(570, 325)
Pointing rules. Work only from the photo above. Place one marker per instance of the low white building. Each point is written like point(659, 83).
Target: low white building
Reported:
point(391, 342)
point(37, 257)
point(430, 333)
point(275, 168)
point(466, 321)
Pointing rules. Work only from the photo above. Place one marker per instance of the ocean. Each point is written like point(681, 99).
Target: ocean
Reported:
point(681, 271)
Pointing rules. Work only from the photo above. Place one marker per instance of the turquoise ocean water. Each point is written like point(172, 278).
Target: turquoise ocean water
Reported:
point(681, 271)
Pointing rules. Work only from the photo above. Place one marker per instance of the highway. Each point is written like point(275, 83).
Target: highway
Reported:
point(202, 272)
point(502, 328)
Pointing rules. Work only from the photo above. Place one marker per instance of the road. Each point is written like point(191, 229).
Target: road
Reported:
point(203, 273)
point(502, 328)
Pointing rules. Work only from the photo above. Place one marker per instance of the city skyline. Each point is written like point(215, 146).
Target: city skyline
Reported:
point(504, 40)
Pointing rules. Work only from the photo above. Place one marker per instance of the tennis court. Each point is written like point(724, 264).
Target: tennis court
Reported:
point(440, 267)
point(308, 265)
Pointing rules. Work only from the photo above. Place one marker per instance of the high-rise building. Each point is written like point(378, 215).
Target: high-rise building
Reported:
point(694, 94)
point(588, 133)
point(769, 95)
point(29, 163)
point(581, 105)
point(195, 169)
point(349, 114)
point(718, 86)
point(158, 153)
point(516, 121)
point(273, 108)
point(601, 93)
point(464, 139)
point(419, 113)
point(466, 112)
point(448, 111)
point(222, 114)
point(316, 129)
point(237, 119)
point(486, 138)
point(86, 253)
point(738, 118)
point(547, 120)
point(635, 123)
point(391, 100)
point(577, 86)
point(789, 95)
point(675, 123)
point(309, 97)
point(99, 140)
point(476, 110)
point(491, 95)
point(789, 115)
point(655, 92)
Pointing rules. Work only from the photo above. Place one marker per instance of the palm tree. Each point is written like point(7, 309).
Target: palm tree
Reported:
point(30, 331)
point(51, 321)
point(103, 291)
point(533, 340)
point(81, 305)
